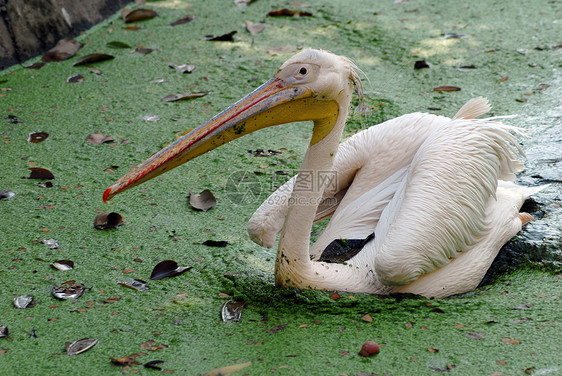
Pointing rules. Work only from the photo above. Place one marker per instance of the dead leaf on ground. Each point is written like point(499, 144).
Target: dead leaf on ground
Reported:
point(510, 340)
point(80, 346)
point(106, 221)
point(76, 79)
point(153, 364)
point(215, 243)
point(228, 37)
point(203, 201)
point(40, 174)
point(167, 268)
point(143, 50)
point(128, 360)
point(4, 333)
point(98, 138)
point(135, 284)
point(64, 49)
point(276, 328)
point(23, 301)
point(112, 300)
point(263, 153)
point(4, 195)
point(183, 68)
point(231, 311)
point(137, 15)
point(50, 243)
point(289, 13)
point(183, 96)
point(432, 350)
point(228, 370)
point(367, 318)
point(183, 20)
point(118, 44)
point(243, 3)
point(73, 291)
point(254, 28)
point(63, 265)
point(420, 64)
point(37, 137)
point(446, 88)
point(92, 58)
point(37, 65)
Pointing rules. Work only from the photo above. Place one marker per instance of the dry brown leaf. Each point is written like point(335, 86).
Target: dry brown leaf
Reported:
point(64, 49)
point(446, 88)
point(205, 200)
point(367, 318)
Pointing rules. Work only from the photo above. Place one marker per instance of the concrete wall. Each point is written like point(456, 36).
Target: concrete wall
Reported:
point(30, 27)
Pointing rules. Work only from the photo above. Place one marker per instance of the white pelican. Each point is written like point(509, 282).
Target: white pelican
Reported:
point(436, 192)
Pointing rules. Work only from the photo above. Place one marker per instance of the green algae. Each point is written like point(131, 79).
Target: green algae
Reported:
point(322, 336)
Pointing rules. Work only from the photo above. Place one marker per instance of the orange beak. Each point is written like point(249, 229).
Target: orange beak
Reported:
point(273, 103)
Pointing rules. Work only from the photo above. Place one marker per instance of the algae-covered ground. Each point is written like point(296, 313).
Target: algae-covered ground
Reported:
point(506, 51)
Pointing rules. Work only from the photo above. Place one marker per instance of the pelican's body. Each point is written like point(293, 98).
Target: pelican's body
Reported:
point(425, 185)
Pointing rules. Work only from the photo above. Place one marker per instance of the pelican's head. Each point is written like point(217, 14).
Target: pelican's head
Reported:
point(312, 85)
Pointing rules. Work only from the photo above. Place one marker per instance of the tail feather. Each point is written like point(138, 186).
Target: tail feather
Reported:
point(473, 108)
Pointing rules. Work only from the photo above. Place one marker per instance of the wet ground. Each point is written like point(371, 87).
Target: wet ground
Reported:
point(508, 52)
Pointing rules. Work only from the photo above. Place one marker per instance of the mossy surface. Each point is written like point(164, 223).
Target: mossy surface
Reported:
point(508, 52)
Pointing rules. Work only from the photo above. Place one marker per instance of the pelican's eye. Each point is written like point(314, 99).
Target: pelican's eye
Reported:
point(303, 71)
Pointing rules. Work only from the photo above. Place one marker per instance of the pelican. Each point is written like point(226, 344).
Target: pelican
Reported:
point(425, 201)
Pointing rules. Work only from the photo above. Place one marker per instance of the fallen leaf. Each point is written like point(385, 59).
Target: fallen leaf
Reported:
point(454, 35)
point(64, 49)
point(51, 243)
point(288, 13)
point(232, 311)
point(37, 65)
point(147, 344)
point(205, 200)
point(524, 306)
point(183, 96)
point(243, 3)
point(446, 88)
point(137, 14)
point(92, 58)
point(367, 318)
point(40, 173)
point(263, 153)
point(117, 44)
point(135, 284)
point(228, 370)
point(143, 51)
point(183, 68)
point(510, 340)
point(420, 64)
point(106, 221)
point(335, 296)
point(124, 361)
point(167, 268)
point(183, 20)
point(4, 195)
point(215, 243)
point(276, 328)
point(153, 364)
point(73, 291)
point(4, 332)
point(432, 350)
point(76, 79)
point(37, 137)
point(80, 346)
point(474, 335)
point(98, 138)
point(228, 37)
point(23, 301)
point(112, 300)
